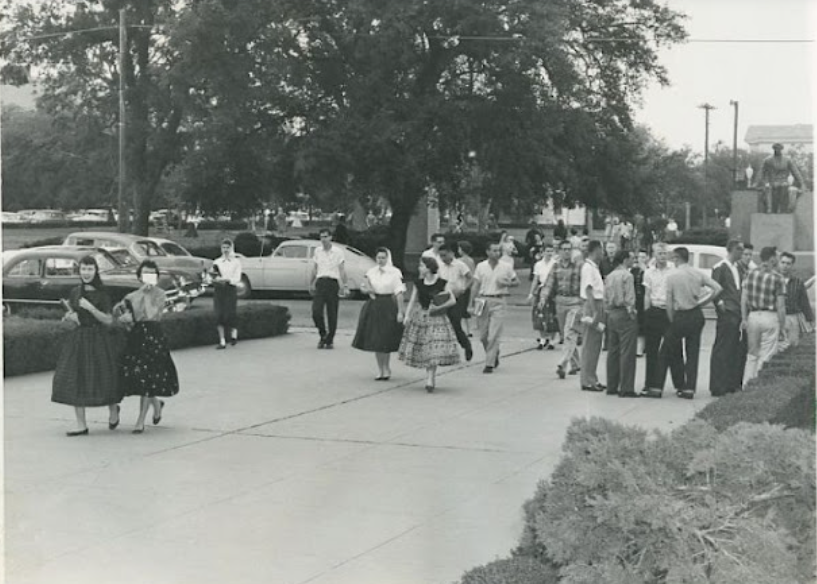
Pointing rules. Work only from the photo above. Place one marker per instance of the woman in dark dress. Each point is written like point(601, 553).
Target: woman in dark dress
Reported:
point(380, 326)
point(87, 374)
point(147, 368)
point(429, 340)
point(638, 270)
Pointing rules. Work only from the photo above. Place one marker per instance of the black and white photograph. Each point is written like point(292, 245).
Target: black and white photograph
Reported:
point(408, 291)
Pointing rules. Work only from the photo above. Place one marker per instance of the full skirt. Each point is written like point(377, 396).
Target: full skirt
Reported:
point(147, 367)
point(87, 373)
point(429, 341)
point(377, 328)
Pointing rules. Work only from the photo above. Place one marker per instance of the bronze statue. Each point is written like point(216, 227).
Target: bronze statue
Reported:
point(773, 179)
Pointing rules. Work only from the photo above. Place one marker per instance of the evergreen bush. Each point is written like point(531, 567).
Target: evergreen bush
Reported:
point(516, 570)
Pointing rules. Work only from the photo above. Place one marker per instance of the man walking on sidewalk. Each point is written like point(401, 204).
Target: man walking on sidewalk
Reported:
point(763, 308)
point(656, 322)
point(327, 274)
point(492, 282)
point(729, 350)
point(591, 290)
point(563, 283)
point(682, 341)
point(458, 276)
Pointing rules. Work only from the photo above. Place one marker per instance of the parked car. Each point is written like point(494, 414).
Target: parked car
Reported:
point(101, 216)
point(288, 268)
point(45, 275)
point(9, 217)
point(703, 257)
point(184, 259)
point(141, 248)
point(43, 216)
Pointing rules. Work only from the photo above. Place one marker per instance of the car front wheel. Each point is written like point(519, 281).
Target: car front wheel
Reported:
point(244, 290)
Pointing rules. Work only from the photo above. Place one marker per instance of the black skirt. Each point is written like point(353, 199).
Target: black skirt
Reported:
point(225, 299)
point(87, 369)
point(377, 328)
point(147, 367)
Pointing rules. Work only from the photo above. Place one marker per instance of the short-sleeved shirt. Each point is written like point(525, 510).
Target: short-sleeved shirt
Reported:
point(542, 269)
point(456, 274)
point(488, 275)
point(431, 253)
point(329, 262)
point(685, 283)
point(655, 285)
point(619, 290)
point(763, 288)
point(229, 268)
point(385, 280)
point(590, 276)
point(426, 292)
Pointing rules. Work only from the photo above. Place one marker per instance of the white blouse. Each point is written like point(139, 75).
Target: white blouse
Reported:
point(386, 280)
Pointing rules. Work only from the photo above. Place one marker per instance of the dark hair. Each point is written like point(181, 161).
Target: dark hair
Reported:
point(574, 231)
point(227, 241)
point(548, 244)
point(767, 253)
point(324, 231)
point(436, 235)
point(447, 247)
point(381, 249)
point(430, 263)
point(90, 260)
point(642, 250)
point(466, 247)
point(748, 246)
point(149, 264)
point(565, 242)
point(733, 243)
point(789, 255)
point(585, 231)
point(593, 246)
point(682, 253)
point(621, 256)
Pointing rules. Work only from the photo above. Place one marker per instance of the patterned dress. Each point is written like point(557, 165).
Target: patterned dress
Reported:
point(86, 373)
point(147, 367)
point(429, 339)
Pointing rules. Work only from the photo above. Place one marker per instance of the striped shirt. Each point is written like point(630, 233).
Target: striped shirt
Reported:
point(763, 287)
point(563, 280)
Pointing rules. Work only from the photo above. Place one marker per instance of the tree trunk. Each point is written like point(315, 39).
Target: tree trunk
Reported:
point(398, 232)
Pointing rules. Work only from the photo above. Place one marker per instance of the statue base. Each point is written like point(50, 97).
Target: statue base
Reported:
point(744, 205)
point(773, 230)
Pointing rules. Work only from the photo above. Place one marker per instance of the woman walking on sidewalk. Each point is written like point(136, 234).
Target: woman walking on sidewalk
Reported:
point(380, 326)
point(147, 367)
point(86, 374)
point(226, 277)
point(429, 340)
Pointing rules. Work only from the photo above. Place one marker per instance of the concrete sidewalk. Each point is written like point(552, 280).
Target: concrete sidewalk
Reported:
point(278, 463)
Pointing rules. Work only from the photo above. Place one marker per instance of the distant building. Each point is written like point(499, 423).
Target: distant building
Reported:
point(799, 137)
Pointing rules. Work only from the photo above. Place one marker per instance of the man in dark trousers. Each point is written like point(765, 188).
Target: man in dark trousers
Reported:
point(682, 341)
point(656, 322)
point(729, 350)
point(327, 273)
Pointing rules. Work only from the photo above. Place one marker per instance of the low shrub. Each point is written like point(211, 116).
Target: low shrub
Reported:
point(627, 507)
point(704, 236)
point(205, 251)
point(516, 570)
point(32, 345)
point(42, 242)
point(222, 226)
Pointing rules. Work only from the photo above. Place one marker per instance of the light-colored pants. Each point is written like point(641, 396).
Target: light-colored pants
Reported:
point(792, 333)
point(490, 324)
point(762, 332)
point(568, 311)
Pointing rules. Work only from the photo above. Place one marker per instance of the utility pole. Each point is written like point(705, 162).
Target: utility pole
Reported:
point(707, 108)
point(735, 172)
point(122, 206)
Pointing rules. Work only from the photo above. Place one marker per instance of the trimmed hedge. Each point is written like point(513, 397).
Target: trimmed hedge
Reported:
point(31, 345)
point(53, 224)
point(704, 236)
point(516, 570)
point(42, 242)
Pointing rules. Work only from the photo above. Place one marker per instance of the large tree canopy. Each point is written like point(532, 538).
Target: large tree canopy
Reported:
point(362, 98)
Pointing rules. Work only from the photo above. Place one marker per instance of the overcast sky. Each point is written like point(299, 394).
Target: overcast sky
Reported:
point(773, 82)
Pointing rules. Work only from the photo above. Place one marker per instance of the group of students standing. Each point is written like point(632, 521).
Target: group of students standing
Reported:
point(632, 302)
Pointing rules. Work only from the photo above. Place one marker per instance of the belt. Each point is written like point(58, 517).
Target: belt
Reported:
point(492, 295)
point(328, 278)
point(658, 307)
point(618, 308)
point(383, 295)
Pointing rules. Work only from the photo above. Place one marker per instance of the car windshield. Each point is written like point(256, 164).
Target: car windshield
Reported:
point(174, 249)
point(106, 261)
point(148, 248)
point(123, 257)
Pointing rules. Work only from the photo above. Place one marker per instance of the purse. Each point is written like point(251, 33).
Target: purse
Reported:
point(440, 298)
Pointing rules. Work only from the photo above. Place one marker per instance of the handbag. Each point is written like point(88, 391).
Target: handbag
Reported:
point(440, 298)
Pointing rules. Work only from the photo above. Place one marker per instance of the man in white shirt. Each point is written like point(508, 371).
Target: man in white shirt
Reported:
point(591, 291)
point(327, 274)
point(458, 276)
point(491, 285)
point(656, 321)
point(437, 240)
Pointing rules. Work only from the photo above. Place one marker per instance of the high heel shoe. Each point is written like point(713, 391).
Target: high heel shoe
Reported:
point(138, 430)
point(77, 433)
point(430, 388)
point(157, 419)
point(113, 425)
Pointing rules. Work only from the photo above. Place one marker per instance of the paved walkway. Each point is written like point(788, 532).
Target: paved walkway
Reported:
point(281, 464)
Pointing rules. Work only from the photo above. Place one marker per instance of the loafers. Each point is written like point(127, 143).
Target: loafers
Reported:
point(685, 393)
point(651, 392)
point(592, 388)
point(488, 369)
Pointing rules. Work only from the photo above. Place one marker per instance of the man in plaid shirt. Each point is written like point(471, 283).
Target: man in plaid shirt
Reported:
point(563, 284)
point(798, 306)
point(763, 311)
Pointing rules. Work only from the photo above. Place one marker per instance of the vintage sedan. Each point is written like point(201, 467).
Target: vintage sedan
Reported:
point(288, 268)
point(703, 257)
point(184, 259)
point(45, 275)
point(143, 248)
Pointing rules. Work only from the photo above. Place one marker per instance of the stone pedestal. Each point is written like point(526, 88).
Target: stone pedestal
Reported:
point(804, 222)
point(744, 205)
point(424, 223)
point(773, 230)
